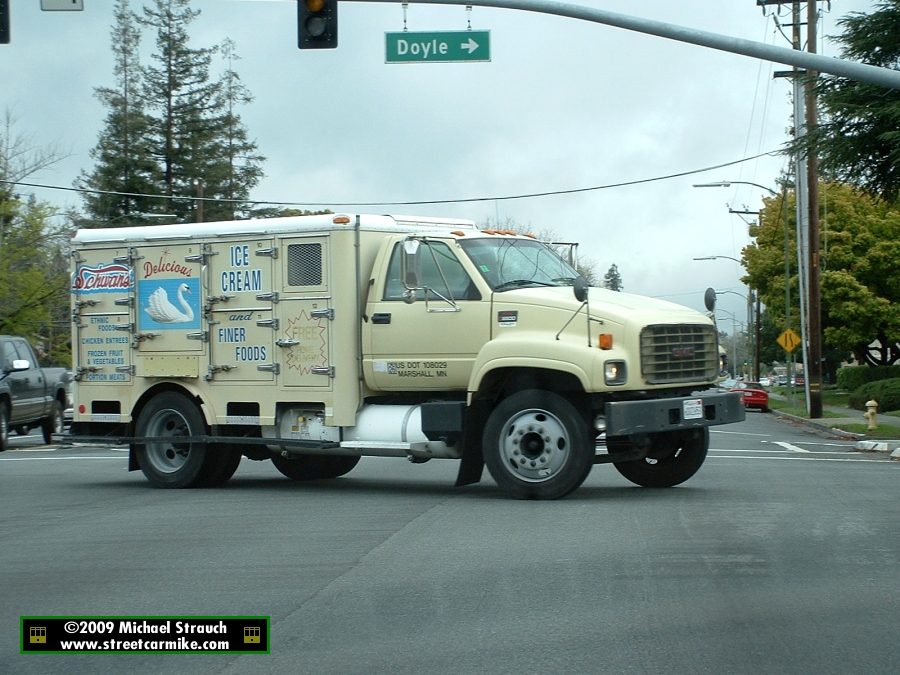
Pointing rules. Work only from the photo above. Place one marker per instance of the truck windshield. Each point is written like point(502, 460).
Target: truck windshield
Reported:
point(508, 263)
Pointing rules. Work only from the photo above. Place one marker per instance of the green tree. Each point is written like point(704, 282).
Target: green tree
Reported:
point(239, 166)
point(123, 163)
point(612, 279)
point(858, 138)
point(197, 136)
point(860, 268)
point(33, 263)
point(179, 91)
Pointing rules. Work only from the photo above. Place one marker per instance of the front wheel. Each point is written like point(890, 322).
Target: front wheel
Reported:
point(536, 445)
point(171, 463)
point(672, 459)
point(54, 423)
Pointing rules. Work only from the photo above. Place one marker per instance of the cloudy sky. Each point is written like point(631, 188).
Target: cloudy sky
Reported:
point(563, 104)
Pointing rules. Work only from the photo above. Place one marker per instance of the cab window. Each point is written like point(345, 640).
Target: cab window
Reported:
point(437, 260)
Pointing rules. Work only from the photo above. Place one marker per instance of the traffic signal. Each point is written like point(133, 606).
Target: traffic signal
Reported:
point(4, 22)
point(317, 24)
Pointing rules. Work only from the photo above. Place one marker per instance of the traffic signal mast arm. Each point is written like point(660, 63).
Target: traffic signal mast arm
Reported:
point(815, 62)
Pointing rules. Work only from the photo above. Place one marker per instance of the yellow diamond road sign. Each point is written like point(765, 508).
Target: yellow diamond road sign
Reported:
point(789, 340)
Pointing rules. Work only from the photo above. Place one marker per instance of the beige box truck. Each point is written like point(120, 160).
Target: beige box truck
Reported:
point(313, 341)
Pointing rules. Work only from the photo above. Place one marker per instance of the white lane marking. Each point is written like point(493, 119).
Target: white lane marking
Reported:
point(33, 449)
point(781, 452)
point(801, 459)
point(738, 433)
point(41, 459)
point(789, 447)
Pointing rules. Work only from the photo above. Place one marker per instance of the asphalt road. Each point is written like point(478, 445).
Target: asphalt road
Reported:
point(780, 556)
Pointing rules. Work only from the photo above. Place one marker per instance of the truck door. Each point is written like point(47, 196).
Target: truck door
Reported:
point(104, 314)
point(432, 342)
point(169, 296)
point(25, 402)
point(304, 338)
point(241, 298)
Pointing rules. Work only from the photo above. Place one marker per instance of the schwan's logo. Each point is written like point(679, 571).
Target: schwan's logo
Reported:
point(103, 279)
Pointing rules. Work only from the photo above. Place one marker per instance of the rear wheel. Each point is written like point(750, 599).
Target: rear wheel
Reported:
point(53, 424)
point(673, 457)
point(314, 467)
point(4, 426)
point(172, 463)
point(221, 463)
point(536, 445)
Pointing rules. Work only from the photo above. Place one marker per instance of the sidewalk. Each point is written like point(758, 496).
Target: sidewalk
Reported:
point(848, 416)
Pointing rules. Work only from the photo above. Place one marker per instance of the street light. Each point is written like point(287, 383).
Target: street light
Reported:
point(728, 183)
point(716, 257)
point(787, 259)
point(734, 324)
point(749, 300)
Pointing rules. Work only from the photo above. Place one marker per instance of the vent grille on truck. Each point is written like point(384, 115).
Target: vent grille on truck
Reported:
point(679, 353)
point(304, 265)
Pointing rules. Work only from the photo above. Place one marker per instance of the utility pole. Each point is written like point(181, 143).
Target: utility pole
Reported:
point(801, 187)
point(814, 322)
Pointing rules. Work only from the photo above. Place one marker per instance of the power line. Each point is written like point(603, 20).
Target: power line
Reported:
point(529, 195)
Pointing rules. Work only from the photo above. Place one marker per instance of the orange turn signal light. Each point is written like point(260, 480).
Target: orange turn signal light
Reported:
point(340, 220)
point(605, 341)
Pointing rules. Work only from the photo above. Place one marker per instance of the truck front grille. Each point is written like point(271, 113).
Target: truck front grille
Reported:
point(679, 353)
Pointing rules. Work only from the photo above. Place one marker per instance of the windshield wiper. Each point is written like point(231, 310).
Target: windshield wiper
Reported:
point(518, 283)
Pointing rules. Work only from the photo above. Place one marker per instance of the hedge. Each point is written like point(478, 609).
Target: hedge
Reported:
point(886, 392)
point(852, 378)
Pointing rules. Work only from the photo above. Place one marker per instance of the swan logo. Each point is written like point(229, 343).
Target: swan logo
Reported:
point(169, 304)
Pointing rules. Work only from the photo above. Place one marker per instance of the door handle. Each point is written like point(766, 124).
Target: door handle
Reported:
point(381, 317)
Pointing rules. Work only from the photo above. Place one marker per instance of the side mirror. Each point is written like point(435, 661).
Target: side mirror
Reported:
point(411, 264)
point(20, 364)
point(580, 288)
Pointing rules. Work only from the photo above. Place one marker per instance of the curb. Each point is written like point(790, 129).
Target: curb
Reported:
point(821, 428)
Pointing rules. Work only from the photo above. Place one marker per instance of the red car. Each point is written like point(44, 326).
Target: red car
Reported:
point(753, 395)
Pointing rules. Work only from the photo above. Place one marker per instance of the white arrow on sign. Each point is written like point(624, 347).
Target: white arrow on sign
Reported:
point(471, 45)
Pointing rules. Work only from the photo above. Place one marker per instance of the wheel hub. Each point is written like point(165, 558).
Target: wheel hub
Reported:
point(535, 445)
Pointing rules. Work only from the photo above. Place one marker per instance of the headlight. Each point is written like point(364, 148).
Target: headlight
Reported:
point(615, 373)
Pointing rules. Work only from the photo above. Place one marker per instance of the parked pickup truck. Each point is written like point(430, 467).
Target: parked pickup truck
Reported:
point(30, 396)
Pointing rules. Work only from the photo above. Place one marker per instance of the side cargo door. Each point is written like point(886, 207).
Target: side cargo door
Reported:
point(304, 338)
point(103, 312)
point(240, 304)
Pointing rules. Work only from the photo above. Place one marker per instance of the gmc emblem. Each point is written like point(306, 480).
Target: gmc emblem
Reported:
point(683, 353)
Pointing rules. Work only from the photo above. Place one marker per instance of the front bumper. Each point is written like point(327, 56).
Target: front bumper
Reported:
point(624, 418)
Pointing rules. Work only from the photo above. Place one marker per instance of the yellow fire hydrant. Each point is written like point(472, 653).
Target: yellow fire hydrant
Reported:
point(871, 410)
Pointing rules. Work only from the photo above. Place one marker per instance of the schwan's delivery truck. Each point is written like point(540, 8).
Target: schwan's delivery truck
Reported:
point(316, 340)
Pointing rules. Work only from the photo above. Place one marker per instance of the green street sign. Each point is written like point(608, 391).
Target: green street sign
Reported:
point(455, 46)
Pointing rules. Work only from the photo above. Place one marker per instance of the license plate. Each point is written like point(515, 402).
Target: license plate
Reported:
point(693, 409)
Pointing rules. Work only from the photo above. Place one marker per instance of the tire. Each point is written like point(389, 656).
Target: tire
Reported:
point(53, 424)
point(4, 427)
point(21, 431)
point(674, 457)
point(169, 464)
point(221, 463)
point(536, 445)
point(314, 467)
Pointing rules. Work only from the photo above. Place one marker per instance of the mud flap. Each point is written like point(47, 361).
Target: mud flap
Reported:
point(472, 464)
